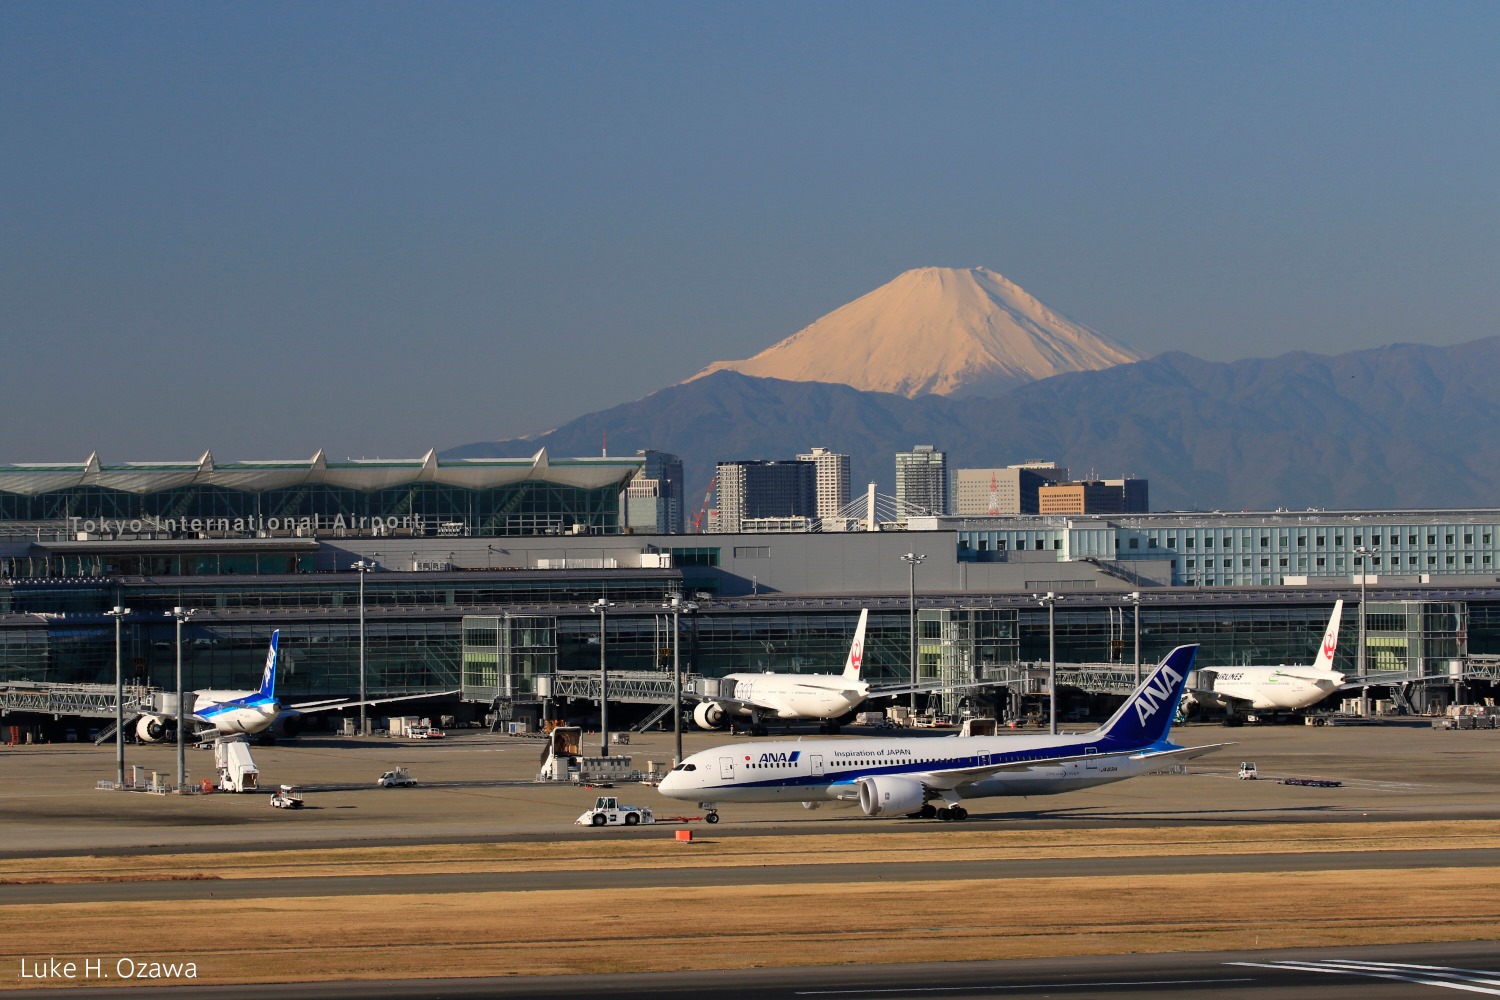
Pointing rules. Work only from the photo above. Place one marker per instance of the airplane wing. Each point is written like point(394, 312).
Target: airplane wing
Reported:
point(329, 704)
point(890, 689)
point(1181, 753)
point(953, 777)
point(1205, 696)
point(1373, 680)
point(695, 696)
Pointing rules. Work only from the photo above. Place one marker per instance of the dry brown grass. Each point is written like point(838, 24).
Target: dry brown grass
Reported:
point(572, 931)
point(859, 848)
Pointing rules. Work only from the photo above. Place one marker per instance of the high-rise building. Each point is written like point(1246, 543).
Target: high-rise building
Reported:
point(1107, 496)
point(1011, 490)
point(833, 480)
point(922, 479)
point(654, 498)
point(765, 489)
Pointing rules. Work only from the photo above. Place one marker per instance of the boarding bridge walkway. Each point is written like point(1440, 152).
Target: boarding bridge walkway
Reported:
point(90, 701)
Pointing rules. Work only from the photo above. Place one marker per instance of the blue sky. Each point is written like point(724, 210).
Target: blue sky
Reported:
point(373, 228)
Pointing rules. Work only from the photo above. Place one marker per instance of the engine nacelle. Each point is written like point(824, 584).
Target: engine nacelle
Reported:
point(708, 715)
point(288, 725)
point(153, 729)
point(880, 795)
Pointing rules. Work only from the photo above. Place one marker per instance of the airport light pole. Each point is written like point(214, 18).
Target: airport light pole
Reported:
point(1049, 601)
point(362, 567)
point(1134, 597)
point(913, 560)
point(678, 606)
point(601, 606)
point(1359, 666)
point(181, 615)
point(117, 613)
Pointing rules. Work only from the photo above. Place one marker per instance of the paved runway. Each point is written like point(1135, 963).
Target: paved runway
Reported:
point(436, 883)
point(1406, 971)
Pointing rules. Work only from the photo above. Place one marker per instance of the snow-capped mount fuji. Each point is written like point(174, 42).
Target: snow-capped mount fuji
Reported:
point(936, 331)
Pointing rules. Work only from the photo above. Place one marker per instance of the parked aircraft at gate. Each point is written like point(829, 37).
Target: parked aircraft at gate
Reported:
point(1275, 689)
point(245, 713)
point(929, 777)
point(831, 698)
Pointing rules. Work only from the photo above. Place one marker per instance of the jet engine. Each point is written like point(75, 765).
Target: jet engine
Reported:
point(709, 715)
point(153, 729)
point(882, 794)
point(288, 724)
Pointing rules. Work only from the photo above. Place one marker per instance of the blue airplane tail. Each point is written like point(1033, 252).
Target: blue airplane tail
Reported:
point(1146, 716)
point(268, 678)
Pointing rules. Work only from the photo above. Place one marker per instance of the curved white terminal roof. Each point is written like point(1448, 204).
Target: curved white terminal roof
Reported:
point(29, 479)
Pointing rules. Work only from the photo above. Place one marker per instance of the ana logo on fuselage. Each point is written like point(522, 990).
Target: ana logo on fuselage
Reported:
point(1156, 692)
point(780, 758)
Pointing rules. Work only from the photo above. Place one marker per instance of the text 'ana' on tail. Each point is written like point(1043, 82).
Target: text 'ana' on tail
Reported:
point(1146, 716)
point(268, 677)
point(857, 648)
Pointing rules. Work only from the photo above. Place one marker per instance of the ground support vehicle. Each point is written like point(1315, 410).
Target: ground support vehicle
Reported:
point(608, 811)
point(287, 797)
point(397, 778)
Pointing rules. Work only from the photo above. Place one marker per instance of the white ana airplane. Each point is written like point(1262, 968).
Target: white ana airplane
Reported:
point(245, 713)
point(927, 777)
point(831, 698)
point(1274, 689)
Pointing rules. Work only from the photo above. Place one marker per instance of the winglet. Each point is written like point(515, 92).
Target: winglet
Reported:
point(1324, 662)
point(857, 648)
point(268, 678)
point(1146, 716)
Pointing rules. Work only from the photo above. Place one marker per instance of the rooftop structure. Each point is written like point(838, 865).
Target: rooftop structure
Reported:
point(425, 496)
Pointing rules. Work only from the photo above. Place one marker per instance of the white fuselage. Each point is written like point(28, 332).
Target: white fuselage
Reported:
point(1271, 689)
point(819, 770)
point(793, 696)
point(235, 712)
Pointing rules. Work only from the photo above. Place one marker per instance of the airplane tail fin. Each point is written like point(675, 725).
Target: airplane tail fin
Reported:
point(857, 648)
point(268, 678)
point(1330, 639)
point(1146, 716)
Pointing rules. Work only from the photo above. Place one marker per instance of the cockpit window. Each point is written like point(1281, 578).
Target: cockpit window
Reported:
point(686, 767)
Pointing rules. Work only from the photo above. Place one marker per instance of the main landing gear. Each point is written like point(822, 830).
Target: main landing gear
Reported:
point(947, 814)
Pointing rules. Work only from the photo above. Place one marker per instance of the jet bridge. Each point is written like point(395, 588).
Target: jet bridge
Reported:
point(91, 701)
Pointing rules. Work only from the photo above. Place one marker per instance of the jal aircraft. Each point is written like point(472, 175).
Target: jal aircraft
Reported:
point(1275, 689)
point(831, 698)
point(244, 713)
point(925, 778)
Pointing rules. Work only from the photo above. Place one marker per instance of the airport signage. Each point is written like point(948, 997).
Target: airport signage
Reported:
point(307, 524)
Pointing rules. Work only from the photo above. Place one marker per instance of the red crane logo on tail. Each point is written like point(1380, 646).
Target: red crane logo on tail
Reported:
point(1330, 644)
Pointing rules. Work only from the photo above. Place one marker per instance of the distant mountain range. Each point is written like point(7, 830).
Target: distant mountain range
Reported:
point(1399, 426)
point(936, 331)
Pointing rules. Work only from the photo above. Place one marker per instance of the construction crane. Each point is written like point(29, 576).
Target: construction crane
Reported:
point(708, 497)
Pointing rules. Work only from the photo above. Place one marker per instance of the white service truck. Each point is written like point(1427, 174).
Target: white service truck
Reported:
point(396, 778)
point(608, 811)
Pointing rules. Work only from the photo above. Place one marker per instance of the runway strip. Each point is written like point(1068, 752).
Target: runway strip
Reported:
point(801, 874)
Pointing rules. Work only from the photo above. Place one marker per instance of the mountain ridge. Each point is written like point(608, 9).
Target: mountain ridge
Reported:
point(1371, 429)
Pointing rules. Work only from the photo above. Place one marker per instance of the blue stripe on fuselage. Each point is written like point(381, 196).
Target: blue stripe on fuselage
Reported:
point(1103, 747)
point(231, 706)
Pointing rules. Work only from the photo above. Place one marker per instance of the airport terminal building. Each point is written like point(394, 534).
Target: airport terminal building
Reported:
point(488, 575)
